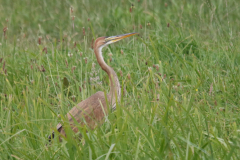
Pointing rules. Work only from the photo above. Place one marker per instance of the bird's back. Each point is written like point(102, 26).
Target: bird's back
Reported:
point(88, 112)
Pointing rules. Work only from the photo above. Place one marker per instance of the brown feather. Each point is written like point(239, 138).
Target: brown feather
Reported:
point(90, 111)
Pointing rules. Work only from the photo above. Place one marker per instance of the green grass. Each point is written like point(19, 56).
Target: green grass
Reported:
point(180, 78)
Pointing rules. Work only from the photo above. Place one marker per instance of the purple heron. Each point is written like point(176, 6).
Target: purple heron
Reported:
point(92, 110)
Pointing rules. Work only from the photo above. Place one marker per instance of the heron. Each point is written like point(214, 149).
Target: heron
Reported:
point(92, 110)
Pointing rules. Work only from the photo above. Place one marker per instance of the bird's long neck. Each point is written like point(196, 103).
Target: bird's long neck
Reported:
point(115, 89)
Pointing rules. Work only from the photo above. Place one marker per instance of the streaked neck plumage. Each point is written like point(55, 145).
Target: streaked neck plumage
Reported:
point(115, 89)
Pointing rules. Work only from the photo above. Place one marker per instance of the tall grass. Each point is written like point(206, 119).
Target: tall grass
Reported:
point(179, 78)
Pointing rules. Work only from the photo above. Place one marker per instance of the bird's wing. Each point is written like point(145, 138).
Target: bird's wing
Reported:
point(88, 112)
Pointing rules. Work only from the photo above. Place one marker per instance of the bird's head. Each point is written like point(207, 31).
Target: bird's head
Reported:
point(103, 41)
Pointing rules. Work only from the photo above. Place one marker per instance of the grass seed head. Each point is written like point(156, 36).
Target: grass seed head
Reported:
point(43, 69)
point(80, 89)
point(211, 88)
point(93, 65)
point(73, 68)
point(39, 40)
point(4, 63)
point(5, 30)
point(70, 54)
point(66, 62)
point(92, 44)
point(83, 30)
point(129, 76)
point(121, 74)
point(121, 51)
point(132, 6)
point(73, 98)
point(44, 50)
point(73, 17)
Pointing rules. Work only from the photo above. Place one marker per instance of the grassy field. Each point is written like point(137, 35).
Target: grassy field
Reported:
point(180, 78)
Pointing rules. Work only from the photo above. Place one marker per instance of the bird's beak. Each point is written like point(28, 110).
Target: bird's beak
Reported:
point(114, 39)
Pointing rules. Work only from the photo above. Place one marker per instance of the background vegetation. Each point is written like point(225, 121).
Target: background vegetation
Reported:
point(180, 78)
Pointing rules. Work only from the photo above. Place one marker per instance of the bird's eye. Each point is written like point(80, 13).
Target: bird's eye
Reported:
point(107, 39)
